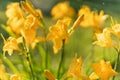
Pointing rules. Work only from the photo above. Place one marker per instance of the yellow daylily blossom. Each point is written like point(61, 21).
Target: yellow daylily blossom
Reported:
point(14, 10)
point(37, 13)
point(30, 30)
point(92, 18)
point(15, 17)
point(75, 70)
point(3, 74)
point(104, 39)
point(58, 33)
point(61, 10)
point(16, 24)
point(88, 16)
point(104, 70)
point(10, 44)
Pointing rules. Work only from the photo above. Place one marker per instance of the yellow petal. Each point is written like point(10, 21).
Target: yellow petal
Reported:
point(104, 70)
point(49, 75)
point(75, 68)
point(93, 76)
point(61, 10)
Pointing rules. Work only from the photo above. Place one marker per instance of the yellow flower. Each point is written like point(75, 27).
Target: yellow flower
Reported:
point(10, 44)
point(14, 10)
point(3, 74)
point(58, 33)
point(91, 18)
point(104, 39)
point(62, 10)
point(99, 18)
point(37, 13)
point(16, 24)
point(115, 28)
point(16, 77)
point(15, 17)
point(30, 30)
point(104, 70)
point(88, 16)
point(75, 70)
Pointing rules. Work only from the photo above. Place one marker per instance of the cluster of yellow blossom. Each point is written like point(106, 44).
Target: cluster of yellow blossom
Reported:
point(87, 18)
point(27, 25)
point(61, 33)
point(103, 71)
point(91, 18)
point(22, 24)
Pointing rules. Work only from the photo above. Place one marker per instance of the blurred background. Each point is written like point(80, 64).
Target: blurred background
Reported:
point(81, 41)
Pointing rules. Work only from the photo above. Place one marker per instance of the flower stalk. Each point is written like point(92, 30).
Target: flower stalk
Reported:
point(61, 60)
point(14, 69)
point(116, 63)
point(27, 54)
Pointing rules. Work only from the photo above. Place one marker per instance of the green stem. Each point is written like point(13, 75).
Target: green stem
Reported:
point(43, 26)
point(61, 60)
point(116, 63)
point(46, 54)
point(45, 34)
point(27, 53)
point(11, 65)
point(46, 59)
point(29, 64)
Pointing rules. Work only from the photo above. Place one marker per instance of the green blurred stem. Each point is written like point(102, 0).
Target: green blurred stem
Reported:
point(43, 26)
point(116, 63)
point(27, 54)
point(46, 58)
point(46, 51)
point(29, 64)
point(10, 64)
point(61, 60)
point(115, 67)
